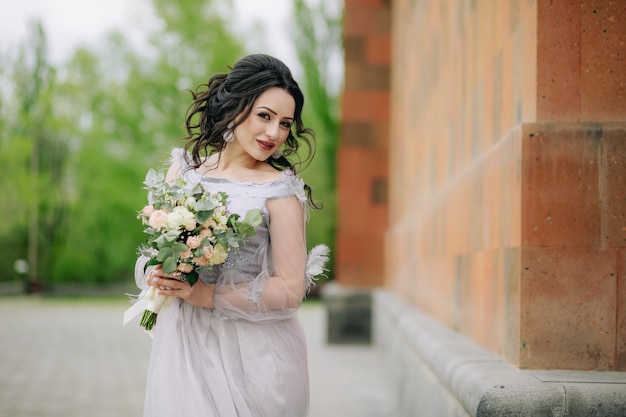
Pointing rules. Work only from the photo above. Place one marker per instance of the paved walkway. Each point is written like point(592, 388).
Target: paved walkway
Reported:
point(72, 358)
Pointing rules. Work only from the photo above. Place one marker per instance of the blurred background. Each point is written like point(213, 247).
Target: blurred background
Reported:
point(471, 160)
point(93, 94)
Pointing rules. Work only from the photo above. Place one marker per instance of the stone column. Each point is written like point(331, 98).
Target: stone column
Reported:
point(362, 170)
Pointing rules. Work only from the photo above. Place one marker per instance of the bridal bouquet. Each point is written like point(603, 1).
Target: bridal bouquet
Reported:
point(189, 229)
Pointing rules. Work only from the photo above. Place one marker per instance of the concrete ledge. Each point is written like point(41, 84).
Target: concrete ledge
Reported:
point(464, 379)
point(349, 314)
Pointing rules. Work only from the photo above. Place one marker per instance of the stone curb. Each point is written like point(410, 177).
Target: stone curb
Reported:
point(487, 386)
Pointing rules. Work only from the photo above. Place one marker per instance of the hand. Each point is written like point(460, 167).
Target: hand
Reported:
point(200, 295)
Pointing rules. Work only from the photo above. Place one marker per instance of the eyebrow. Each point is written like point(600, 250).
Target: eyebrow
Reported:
point(272, 111)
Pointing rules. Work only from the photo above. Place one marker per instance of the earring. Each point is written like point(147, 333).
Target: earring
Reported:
point(277, 154)
point(229, 135)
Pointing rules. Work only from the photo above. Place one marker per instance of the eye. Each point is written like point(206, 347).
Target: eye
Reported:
point(286, 124)
point(264, 115)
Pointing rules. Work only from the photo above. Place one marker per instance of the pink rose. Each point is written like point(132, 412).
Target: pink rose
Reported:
point(186, 254)
point(194, 242)
point(185, 268)
point(158, 219)
point(205, 233)
point(208, 251)
point(201, 261)
point(190, 225)
point(147, 210)
point(210, 223)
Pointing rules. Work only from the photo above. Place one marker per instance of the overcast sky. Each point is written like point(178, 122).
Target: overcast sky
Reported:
point(70, 22)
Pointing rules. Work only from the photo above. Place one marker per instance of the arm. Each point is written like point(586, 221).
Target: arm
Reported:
point(277, 293)
point(174, 171)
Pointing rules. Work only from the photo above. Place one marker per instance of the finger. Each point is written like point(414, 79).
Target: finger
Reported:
point(155, 275)
point(168, 284)
point(176, 292)
point(168, 291)
point(150, 279)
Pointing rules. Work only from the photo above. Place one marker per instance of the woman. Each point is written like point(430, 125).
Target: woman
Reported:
point(231, 344)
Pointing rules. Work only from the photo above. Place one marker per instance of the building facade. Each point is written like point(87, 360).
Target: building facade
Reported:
point(484, 148)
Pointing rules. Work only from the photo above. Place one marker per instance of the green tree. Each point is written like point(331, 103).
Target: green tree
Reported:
point(77, 140)
point(317, 34)
point(130, 113)
point(33, 160)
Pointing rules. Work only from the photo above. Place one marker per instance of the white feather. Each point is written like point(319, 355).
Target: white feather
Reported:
point(316, 261)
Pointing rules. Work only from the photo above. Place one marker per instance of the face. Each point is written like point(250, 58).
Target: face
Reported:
point(268, 125)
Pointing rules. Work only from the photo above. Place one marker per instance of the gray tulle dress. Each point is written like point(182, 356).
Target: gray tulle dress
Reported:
point(247, 357)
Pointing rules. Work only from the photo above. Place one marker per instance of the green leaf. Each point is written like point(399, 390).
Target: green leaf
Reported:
point(192, 277)
point(163, 254)
point(169, 265)
point(205, 204)
point(172, 235)
point(253, 217)
point(179, 247)
point(152, 262)
point(154, 179)
point(204, 215)
point(165, 240)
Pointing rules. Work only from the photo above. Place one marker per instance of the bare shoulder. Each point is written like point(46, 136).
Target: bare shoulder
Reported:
point(174, 171)
point(208, 165)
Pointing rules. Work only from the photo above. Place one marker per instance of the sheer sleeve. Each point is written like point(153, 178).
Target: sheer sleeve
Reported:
point(268, 277)
point(280, 287)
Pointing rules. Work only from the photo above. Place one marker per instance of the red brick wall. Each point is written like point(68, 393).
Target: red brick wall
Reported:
point(507, 179)
point(363, 155)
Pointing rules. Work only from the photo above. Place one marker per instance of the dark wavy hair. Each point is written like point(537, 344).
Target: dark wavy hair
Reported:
point(228, 97)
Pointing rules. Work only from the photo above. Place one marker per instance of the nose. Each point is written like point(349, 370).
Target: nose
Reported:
point(272, 130)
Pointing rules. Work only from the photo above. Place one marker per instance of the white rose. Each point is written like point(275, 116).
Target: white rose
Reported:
point(179, 217)
point(190, 202)
point(221, 223)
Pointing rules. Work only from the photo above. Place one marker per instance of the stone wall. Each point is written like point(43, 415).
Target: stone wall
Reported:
point(507, 179)
point(363, 151)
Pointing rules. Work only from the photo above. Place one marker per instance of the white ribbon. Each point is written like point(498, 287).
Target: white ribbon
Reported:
point(149, 299)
